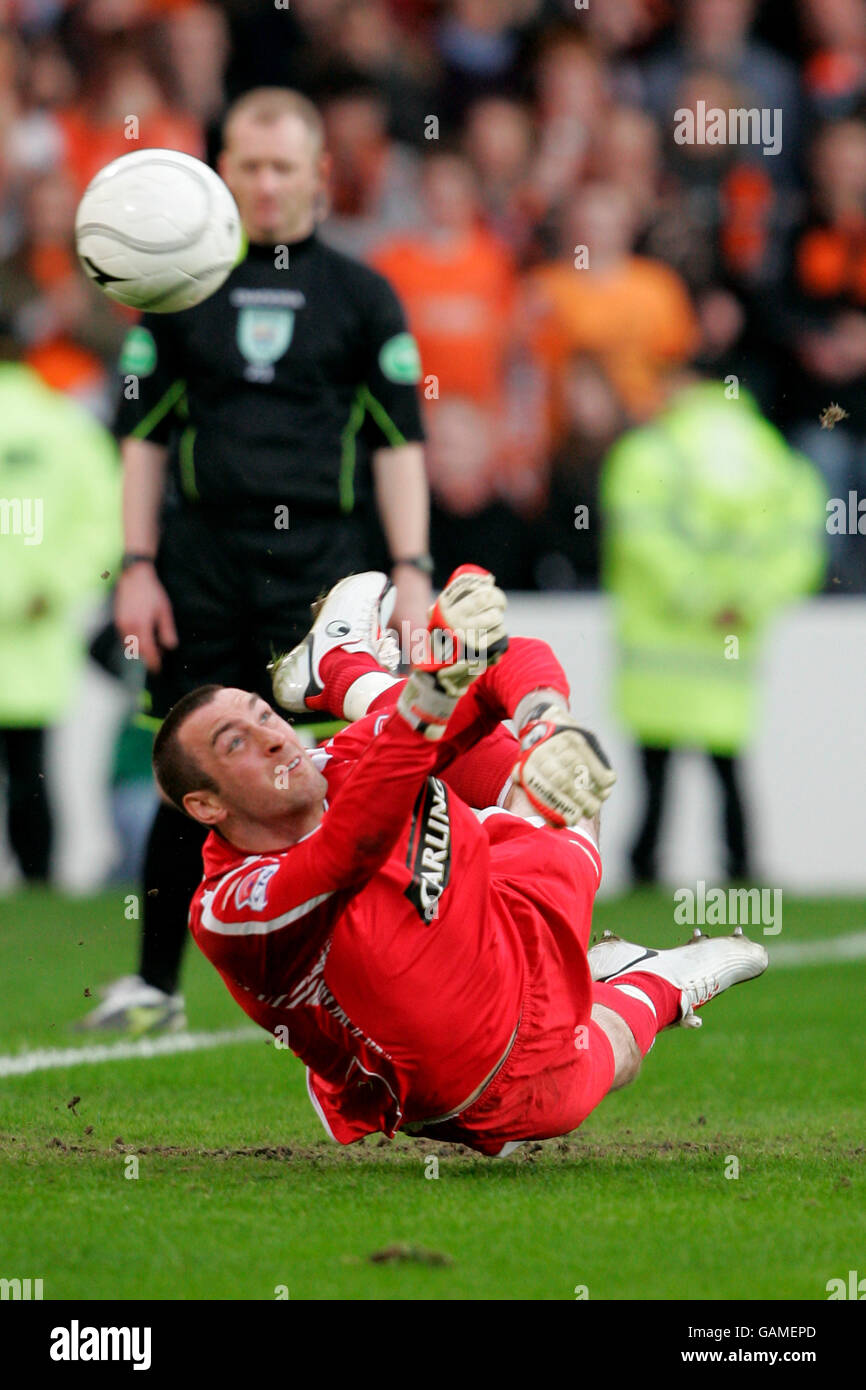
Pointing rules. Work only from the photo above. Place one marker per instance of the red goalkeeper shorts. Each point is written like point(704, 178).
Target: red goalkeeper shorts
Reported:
point(561, 1064)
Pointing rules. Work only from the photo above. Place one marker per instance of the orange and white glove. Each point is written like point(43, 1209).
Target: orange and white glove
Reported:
point(472, 608)
point(562, 767)
point(466, 634)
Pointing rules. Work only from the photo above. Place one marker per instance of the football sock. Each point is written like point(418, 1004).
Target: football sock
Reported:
point(352, 680)
point(646, 1004)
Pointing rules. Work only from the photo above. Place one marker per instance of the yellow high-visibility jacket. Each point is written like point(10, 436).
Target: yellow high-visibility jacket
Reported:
point(60, 530)
point(711, 524)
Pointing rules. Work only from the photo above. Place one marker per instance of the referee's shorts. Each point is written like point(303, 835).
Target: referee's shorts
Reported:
point(241, 590)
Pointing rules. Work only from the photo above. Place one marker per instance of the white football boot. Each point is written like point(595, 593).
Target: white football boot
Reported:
point(353, 615)
point(703, 968)
point(133, 1007)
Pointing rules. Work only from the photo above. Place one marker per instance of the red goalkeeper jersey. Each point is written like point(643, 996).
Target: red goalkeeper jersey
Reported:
point(389, 941)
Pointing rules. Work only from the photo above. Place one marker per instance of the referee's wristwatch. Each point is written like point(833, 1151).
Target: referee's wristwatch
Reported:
point(424, 563)
point(133, 558)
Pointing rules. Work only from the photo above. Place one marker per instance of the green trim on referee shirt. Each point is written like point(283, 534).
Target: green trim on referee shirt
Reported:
point(363, 401)
point(160, 410)
point(394, 436)
point(187, 463)
point(349, 453)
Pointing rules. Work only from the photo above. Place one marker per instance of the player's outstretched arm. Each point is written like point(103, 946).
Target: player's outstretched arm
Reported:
point(308, 883)
point(357, 832)
point(362, 825)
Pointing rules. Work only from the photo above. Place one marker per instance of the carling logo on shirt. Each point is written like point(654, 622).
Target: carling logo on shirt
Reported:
point(429, 853)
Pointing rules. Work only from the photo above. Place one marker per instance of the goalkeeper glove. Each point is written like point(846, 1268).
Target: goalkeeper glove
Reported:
point(472, 608)
point(562, 768)
point(467, 633)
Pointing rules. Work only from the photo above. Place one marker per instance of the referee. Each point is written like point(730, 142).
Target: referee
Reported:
point(258, 431)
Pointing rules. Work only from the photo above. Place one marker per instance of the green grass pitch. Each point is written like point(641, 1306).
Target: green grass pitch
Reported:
point(239, 1194)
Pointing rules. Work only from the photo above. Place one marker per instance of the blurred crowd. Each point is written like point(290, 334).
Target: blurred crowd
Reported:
point(512, 167)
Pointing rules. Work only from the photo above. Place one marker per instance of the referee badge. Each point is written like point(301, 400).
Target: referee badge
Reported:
point(264, 334)
point(138, 353)
point(399, 360)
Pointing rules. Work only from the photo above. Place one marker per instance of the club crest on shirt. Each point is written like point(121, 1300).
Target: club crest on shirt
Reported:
point(252, 890)
point(263, 335)
point(429, 852)
point(400, 361)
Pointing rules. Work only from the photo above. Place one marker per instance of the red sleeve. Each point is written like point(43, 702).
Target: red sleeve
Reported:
point(477, 754)
point(528, 664)
point(361, 826)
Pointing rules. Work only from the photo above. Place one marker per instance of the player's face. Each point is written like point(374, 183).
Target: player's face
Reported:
point(276, 174)
point(264, 775)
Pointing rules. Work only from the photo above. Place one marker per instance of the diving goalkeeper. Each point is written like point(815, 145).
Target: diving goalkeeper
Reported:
point(429, 961)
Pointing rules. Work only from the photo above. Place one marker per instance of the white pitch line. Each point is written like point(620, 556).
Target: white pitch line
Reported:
point(785, 956)
point(47, 1058)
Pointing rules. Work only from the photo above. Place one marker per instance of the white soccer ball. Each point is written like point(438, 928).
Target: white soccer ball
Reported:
point(158, 230)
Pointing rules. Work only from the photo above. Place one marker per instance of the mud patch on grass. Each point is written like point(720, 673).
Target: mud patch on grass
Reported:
point(573, 1151)
point(409, 1254)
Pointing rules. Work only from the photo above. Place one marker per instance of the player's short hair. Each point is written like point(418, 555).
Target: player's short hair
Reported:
point(267, 105)
point(176, 771)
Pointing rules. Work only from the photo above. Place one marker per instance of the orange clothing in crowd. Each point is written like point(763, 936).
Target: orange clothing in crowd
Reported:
point(46, 282)
point(832, 73)
point(66, 367)
point(831, 261)
point(460, 304)
point(62, 364)
point(636, 320)
point(89, 147)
